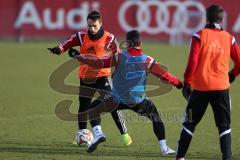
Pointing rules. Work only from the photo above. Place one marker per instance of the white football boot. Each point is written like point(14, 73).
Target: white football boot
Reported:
point(164, 148)
point(99, 137)
point(167, 151)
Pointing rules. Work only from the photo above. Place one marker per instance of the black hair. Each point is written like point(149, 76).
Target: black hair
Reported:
point(214, 14)
point(94, 15)
point(134, 38)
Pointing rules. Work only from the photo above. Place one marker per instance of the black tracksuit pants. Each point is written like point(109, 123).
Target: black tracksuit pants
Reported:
point(86, 94)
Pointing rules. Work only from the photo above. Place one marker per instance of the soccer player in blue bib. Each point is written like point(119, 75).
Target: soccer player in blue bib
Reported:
point(128, 92)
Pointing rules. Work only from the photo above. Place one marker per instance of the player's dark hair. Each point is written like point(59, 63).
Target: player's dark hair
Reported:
point(134, 38)
point(214, 14)
point(94, 15)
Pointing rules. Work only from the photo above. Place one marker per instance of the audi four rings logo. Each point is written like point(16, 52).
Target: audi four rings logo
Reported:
point(180, 18)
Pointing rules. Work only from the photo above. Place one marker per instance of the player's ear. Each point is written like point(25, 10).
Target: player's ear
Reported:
point(129, 44)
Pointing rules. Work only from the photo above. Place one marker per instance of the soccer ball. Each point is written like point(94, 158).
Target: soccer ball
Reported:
point(84, 137)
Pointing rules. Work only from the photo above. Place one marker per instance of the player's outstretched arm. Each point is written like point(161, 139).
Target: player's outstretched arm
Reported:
point(104, 62)
point(67, 44)
point(165, 76)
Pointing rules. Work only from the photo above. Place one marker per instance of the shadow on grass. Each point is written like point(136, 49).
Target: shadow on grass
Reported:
point(103, 150)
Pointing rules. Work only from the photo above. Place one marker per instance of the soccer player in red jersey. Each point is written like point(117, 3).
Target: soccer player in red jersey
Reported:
point(132, 67)
point(207, 80)
point(95, 42)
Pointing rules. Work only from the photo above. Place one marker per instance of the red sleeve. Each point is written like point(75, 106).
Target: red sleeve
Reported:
point(112, 44)
point(162, 73)
point(74, 40)
point(109, 61)
point(235, 55)
point(104, 62)
point(192, 60)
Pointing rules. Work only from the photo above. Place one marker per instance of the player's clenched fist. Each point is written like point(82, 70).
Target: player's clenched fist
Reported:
point(73, 52)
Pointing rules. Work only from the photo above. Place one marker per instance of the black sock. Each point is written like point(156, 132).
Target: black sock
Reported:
point(183, 144)
point(225, 144)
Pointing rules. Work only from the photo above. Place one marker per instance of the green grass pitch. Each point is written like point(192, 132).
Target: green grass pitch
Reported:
point(29, 128)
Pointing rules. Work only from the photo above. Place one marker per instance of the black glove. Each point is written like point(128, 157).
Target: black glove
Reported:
point(73, 52)
point(186, 91)
point(231, 77)
point(55, 50)
point(179, 85)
